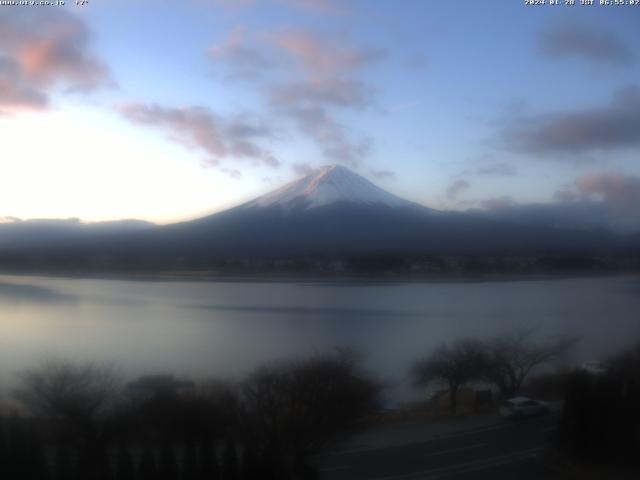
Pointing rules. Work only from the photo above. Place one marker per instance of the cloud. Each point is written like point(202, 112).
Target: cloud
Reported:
point(15, 92)
point(316, 123)
point(565, 195)
point(575, 41)
point(614, 126)
point(383, 174)
point(331, 92)
point(322, 56)
point(41, 51)
point(306, 79)
point(600, 200)
point(198, 127)
point(618, 191)
point(498, 169)
point(246, 59)
point(456, 188)
point(309, 6)
point(502, 169)
point(323, 84)
point(232, 172)
point(497, 204)
point(303, 169)
point(318, 6)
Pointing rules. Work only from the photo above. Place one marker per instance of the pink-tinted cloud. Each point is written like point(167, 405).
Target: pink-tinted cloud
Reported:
point(15, 92)
point(238, 138)
point(305, 78)
point(40, 51)
point(318, 6)
point(310, 6)
point(323, 83)
point(497, 204)
point(323, 56)
point(616, 190)
point(62, 56)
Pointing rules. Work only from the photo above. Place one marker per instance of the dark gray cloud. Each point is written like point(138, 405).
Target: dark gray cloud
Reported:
point(40, 51)
point(232, 172)
point(302, 169)
point(601, 200)
point(320, 126)
point(613, 126)
point(575, 41)
point(383, 174)
point(456, 188)
point(245, 58)
point(237, 138)
point(498, 169)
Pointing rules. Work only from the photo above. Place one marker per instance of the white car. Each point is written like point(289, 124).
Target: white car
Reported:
point(520, 407)
point(594, 368)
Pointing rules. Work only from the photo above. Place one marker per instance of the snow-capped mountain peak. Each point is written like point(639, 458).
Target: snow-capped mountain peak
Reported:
point(325, 186)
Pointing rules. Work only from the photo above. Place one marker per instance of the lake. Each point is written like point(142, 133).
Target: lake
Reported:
point(206, 329)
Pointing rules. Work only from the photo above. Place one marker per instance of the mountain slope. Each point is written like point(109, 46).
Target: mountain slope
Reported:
point(330, 213)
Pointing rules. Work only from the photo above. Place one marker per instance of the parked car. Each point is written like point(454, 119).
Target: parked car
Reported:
point(594, 367)
point(520, 407)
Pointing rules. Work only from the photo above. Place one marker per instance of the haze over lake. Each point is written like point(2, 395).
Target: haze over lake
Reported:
point(207, 329)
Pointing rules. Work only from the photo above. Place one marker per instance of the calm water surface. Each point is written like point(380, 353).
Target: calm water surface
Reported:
point(224, 329)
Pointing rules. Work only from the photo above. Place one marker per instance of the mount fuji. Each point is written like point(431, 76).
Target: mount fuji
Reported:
point(330, 213)
point(334, 211)
point(327, 185)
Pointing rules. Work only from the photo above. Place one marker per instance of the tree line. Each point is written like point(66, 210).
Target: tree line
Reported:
point(80, 421)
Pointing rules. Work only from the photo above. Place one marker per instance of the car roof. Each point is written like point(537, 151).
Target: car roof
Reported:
point(517, 400)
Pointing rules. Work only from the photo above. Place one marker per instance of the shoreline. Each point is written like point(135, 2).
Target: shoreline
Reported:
point(319, 279)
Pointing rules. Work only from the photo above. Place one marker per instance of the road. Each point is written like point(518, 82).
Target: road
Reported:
point(502, 450)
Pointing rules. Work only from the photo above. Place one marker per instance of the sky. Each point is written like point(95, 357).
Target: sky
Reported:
point(166, 111)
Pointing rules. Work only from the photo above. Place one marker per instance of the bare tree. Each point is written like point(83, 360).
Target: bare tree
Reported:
point(512, 357)
point(64, 390)
point(292, 409)
point(77, 394)
point(454, 365)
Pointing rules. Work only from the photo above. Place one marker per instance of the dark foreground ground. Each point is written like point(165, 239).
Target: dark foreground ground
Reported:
point(491, 448)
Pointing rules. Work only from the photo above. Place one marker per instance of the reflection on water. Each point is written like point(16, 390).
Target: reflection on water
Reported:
point(225, 328)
